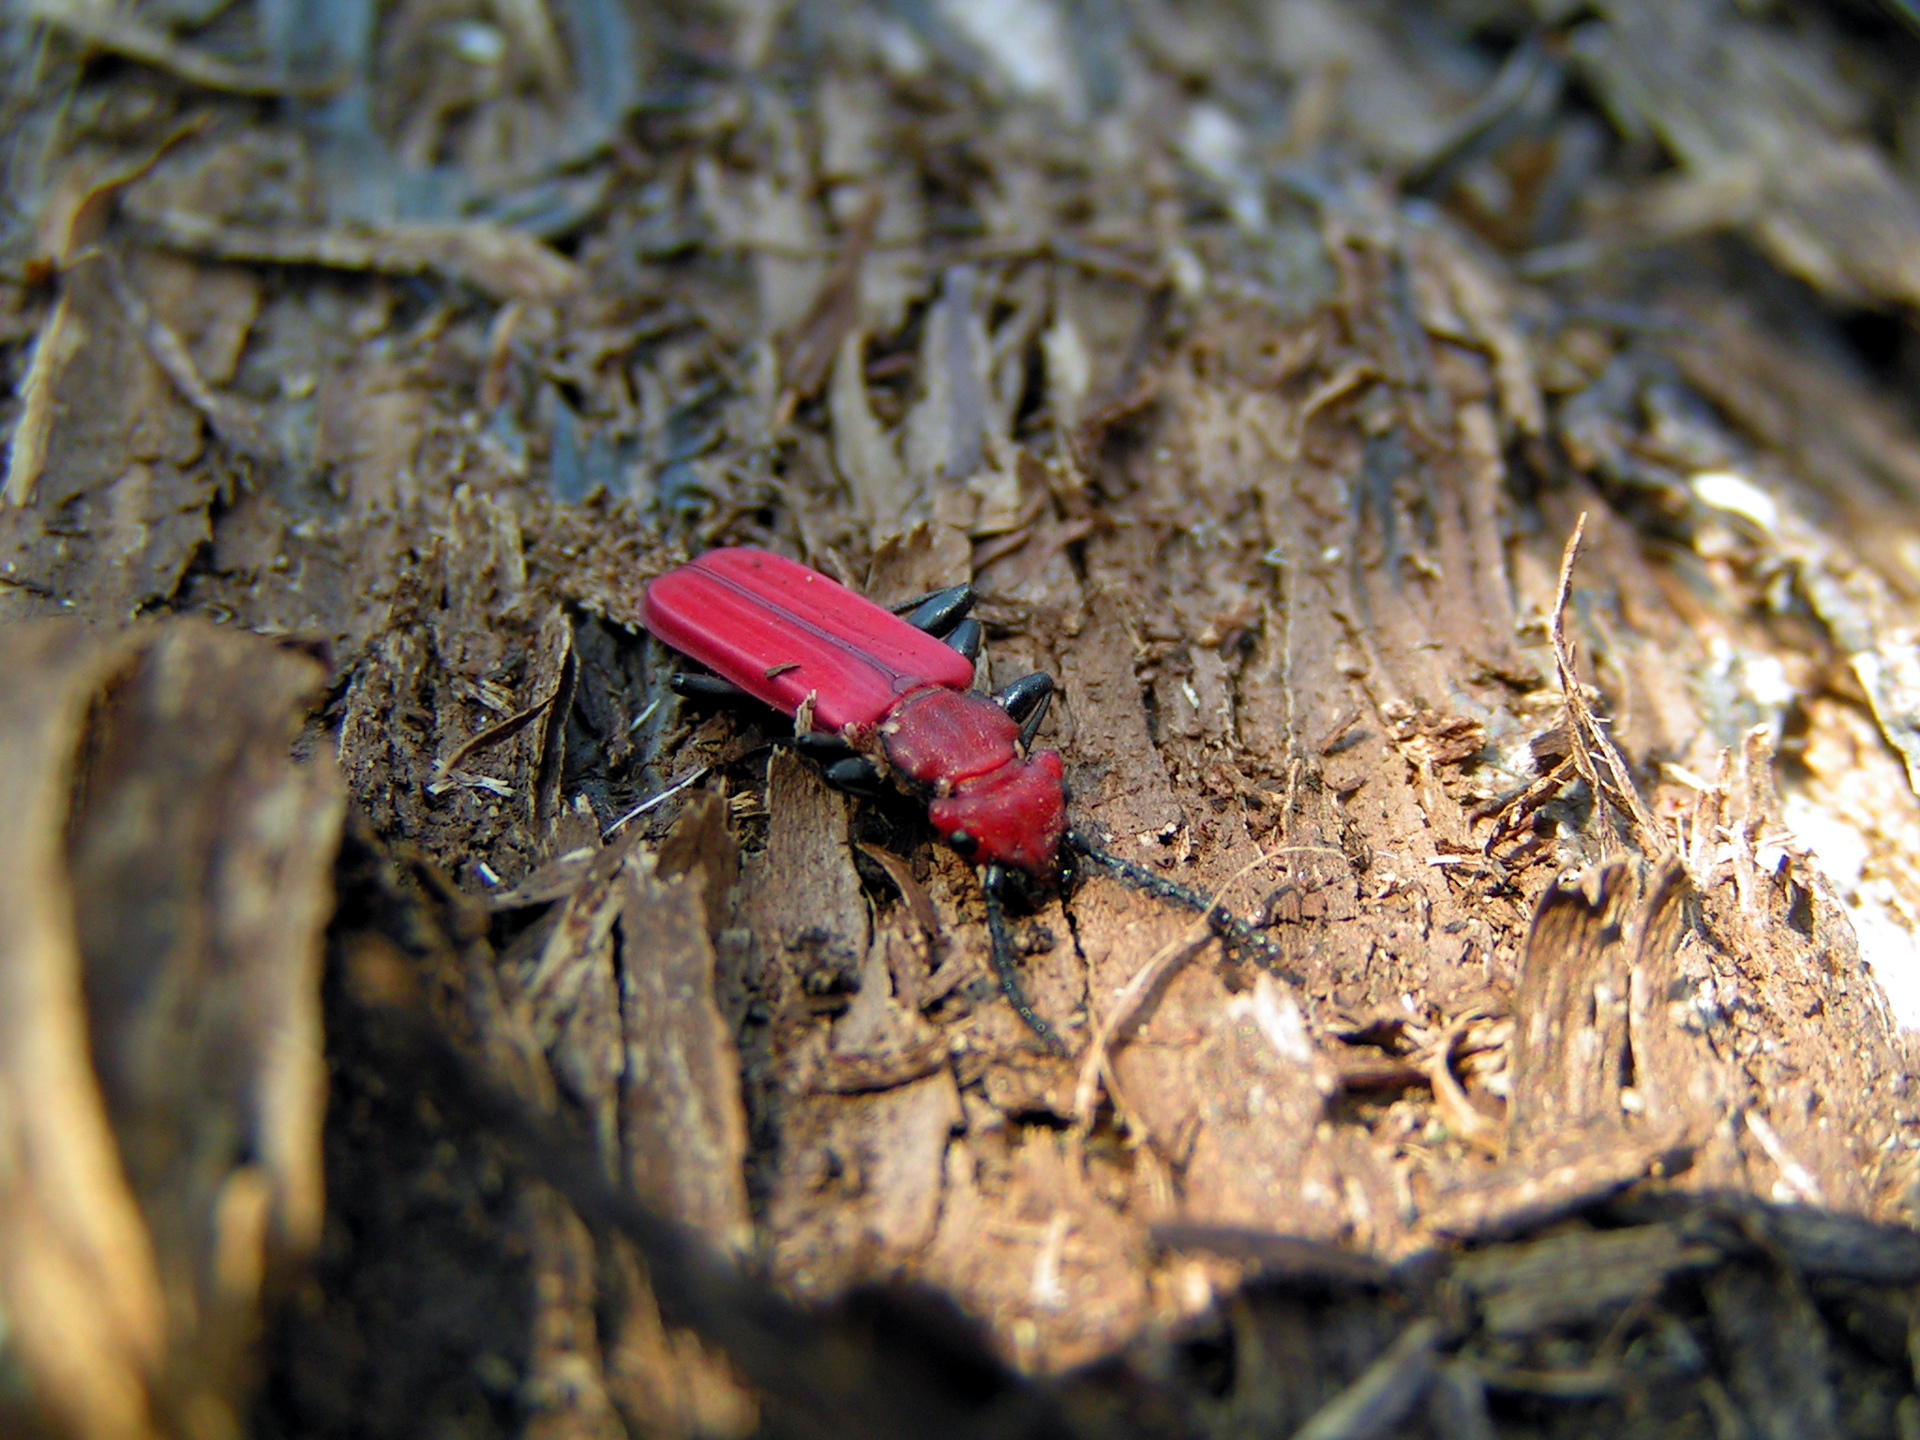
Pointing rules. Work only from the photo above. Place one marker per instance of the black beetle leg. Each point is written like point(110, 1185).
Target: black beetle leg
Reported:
point(966, 637)
point(708, 688)
point(821, 748)
point(1026, 700)
point(856, 774)
point(939, 612)
point(992, 882)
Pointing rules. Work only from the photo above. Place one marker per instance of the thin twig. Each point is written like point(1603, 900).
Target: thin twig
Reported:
point(487, 738)
point(645, 805)
point(1584, 733)
point(1519, 807)
point(1450, 1097)
point(229, 418)
point(61, 337)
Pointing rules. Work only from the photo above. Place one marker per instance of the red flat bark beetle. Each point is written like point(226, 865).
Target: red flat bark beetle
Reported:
point(888, 696)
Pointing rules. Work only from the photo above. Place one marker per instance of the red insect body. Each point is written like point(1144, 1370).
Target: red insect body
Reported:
point(782, 633)
point(790, 637)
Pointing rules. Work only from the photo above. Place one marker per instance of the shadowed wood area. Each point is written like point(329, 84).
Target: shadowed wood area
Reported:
point(1458, 462)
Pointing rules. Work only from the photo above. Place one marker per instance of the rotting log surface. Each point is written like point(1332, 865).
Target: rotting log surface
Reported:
point(671, 1093)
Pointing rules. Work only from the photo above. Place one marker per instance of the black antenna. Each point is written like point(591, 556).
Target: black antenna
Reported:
point(1243, 942)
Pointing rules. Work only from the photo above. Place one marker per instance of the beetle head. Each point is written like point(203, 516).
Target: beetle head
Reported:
point(1013, 816)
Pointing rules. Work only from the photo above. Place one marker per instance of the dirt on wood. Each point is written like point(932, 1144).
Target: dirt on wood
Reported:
point(1458, 463)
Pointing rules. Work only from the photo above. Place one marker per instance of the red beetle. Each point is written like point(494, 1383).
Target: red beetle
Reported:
point(881, 696)
point(889, 690)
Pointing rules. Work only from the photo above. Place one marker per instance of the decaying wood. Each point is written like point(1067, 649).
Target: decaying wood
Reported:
point(1467, 543)
point(168, 885)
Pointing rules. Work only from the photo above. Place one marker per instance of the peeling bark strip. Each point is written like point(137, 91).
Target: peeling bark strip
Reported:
point(1676, 1075)
point(1570, 1056)
point(684, 1134)
point(166, 880)
point(1601, 1089)
point(110, 495)
point(622, 1000)
point(802, 890)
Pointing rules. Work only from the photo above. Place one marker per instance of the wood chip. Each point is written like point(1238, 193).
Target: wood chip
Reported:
point(503, 264)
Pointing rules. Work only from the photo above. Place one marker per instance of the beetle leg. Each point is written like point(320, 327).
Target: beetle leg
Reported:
point(856, 774)
point(939, 612)
point(992, 882)
point(1026, 700)
point(821, 748)
point(966, 637)
point(710, 688)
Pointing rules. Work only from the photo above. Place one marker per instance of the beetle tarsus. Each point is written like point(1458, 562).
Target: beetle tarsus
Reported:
point(1240, 938)
point(821, 748)
point(856, 774)
point(944, 614)
point(967, 637)
point(991, 885)
point(709, 688)
point(940, 612)
point(1026, 700)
